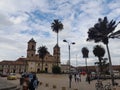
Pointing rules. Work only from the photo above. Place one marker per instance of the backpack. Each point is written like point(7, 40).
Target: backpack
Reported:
point(35, 83)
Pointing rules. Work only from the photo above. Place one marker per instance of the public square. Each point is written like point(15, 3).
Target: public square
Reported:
point(61, 82)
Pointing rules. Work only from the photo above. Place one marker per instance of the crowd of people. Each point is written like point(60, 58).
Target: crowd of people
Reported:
point(77, 77)
point(29, 81)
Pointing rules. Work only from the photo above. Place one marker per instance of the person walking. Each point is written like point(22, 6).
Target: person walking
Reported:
point(25, 83)
point(78, 77)
point(88, 78)
point(75, 77)
point(34, 83)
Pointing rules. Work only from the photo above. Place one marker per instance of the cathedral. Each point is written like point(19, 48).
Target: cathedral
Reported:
point(32, 62)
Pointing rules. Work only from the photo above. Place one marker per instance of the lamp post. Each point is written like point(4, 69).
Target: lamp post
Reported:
point(76, 63)
point(70, 76)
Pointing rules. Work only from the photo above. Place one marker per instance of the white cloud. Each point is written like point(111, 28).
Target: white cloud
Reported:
point(19, 23)
point(4, 21)
point(19, 19)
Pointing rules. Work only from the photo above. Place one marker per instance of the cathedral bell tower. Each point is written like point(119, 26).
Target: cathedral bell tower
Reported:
point(31, 49)
point(56, 54)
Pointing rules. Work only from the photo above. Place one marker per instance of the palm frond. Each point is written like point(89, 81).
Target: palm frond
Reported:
point(101, 30)
point(42, 51)
point(56, 26)
point(115, 34)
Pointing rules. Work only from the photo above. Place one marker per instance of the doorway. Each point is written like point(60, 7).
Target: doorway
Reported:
point(46, 70)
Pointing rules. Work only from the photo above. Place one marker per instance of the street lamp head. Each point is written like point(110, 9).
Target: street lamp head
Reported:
point(73, 43)
point(68, 42)
point(64, 40)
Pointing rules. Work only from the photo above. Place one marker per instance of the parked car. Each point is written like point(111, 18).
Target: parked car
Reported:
point(83, 73)
point(3, 74)
point(0, 73)
point(12, 76)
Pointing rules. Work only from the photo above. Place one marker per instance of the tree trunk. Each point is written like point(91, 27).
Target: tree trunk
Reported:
point(57, 50)
point(57, 38)
point(86, 65)
point(100, 64)
point(110, 65)
point(42, 64)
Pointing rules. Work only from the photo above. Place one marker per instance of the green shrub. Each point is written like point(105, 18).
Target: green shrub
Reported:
point(42, 71)
point(56, 69)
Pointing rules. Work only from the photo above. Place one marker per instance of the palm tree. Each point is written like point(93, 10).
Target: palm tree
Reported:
point(99, 52)
point(42, 51)
point(85, 52)
point(101, 32)
point(56, 27)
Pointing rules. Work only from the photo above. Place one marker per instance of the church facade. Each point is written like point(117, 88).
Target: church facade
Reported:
point(32, 62)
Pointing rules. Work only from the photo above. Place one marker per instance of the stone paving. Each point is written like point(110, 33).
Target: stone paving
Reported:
point(5, 85)
point(61, 82)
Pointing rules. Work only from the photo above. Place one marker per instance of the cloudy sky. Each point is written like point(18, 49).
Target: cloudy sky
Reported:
point(21, 20)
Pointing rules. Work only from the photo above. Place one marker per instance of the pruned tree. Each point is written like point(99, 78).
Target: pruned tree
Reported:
point(102, 31)
point(85, 52)
point(99, 52)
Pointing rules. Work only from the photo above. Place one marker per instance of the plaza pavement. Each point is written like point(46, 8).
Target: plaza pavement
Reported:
point(62, 83)
point(5, 85)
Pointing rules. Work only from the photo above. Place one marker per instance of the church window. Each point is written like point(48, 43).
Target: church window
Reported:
point(32, 46)
point(38, 64)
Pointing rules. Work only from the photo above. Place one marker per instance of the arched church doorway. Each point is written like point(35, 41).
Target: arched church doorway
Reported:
point(46, 70)
point(38, 70)
point(14, 71)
